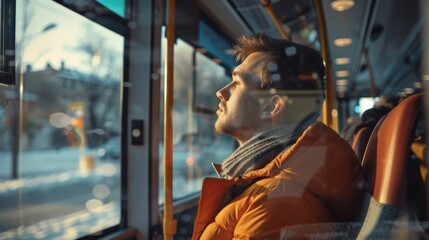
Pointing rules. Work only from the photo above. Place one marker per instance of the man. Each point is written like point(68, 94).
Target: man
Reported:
point(283, 173)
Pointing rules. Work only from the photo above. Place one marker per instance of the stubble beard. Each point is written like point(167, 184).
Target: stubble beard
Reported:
point(219, 126)
point(226, 125)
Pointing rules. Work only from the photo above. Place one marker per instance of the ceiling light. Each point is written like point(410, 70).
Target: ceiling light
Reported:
point(409, 90)
point(342, 88)
point(341, 82)
point(342, 5)
point(418, 85)
point(342, 73)
point(342, 42)
point(342, 61)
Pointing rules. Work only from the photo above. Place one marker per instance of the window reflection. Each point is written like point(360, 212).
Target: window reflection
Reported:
point(60, 172)
point(195, 143)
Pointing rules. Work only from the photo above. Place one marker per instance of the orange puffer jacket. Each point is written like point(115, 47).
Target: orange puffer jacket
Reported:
point(318, 179)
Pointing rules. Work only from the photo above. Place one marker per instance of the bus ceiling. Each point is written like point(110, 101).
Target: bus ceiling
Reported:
point(374, 46)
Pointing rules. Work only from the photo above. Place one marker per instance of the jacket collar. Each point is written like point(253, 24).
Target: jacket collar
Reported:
point(312, 135)
point(218, 168)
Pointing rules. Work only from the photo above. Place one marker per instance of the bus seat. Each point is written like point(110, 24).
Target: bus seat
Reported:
point(393, 183)
point(359, 130)
point(390, 175)
point(360, 141)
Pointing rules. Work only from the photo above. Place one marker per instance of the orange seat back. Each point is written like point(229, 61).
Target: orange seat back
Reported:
point(388, 149)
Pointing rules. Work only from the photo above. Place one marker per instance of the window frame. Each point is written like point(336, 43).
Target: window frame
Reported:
point(7, 42)
point(105, 17)
point(109, 20)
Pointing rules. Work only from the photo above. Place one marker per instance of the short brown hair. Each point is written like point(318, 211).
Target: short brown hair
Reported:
point(293, 63)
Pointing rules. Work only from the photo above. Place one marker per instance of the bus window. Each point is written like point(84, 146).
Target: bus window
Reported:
point(365, 103)
point(59, 174)
point(195, 143)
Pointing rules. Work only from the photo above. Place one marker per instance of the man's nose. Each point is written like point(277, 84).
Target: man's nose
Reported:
point(222, 94)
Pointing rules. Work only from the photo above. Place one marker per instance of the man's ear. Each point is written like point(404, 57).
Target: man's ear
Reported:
point(273, 108)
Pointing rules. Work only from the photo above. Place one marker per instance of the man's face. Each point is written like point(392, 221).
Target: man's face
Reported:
point(239, 113)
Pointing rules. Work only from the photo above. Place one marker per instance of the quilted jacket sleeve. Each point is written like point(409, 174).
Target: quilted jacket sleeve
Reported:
point(284, 205)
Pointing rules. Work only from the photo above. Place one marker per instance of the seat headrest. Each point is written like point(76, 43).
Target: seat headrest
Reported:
point(388, 150)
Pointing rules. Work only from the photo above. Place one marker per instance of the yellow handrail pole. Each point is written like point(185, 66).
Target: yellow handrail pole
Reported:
point(330, 114)
point(269, 9)
point(169, 224)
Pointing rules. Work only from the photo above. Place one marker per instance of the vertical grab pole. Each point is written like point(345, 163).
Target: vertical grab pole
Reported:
point(330, 114)
point(169, 224)
point(269, 9)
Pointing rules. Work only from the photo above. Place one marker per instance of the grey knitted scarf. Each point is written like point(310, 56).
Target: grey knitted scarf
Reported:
point(259, 150)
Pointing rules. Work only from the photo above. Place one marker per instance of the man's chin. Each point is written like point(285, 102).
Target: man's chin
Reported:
point(219, 127)
point(222, 129)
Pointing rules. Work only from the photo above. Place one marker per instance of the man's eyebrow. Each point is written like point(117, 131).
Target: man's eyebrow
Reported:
point(236, 73)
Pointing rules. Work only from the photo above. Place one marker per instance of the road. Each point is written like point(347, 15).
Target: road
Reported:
point(63, 205)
